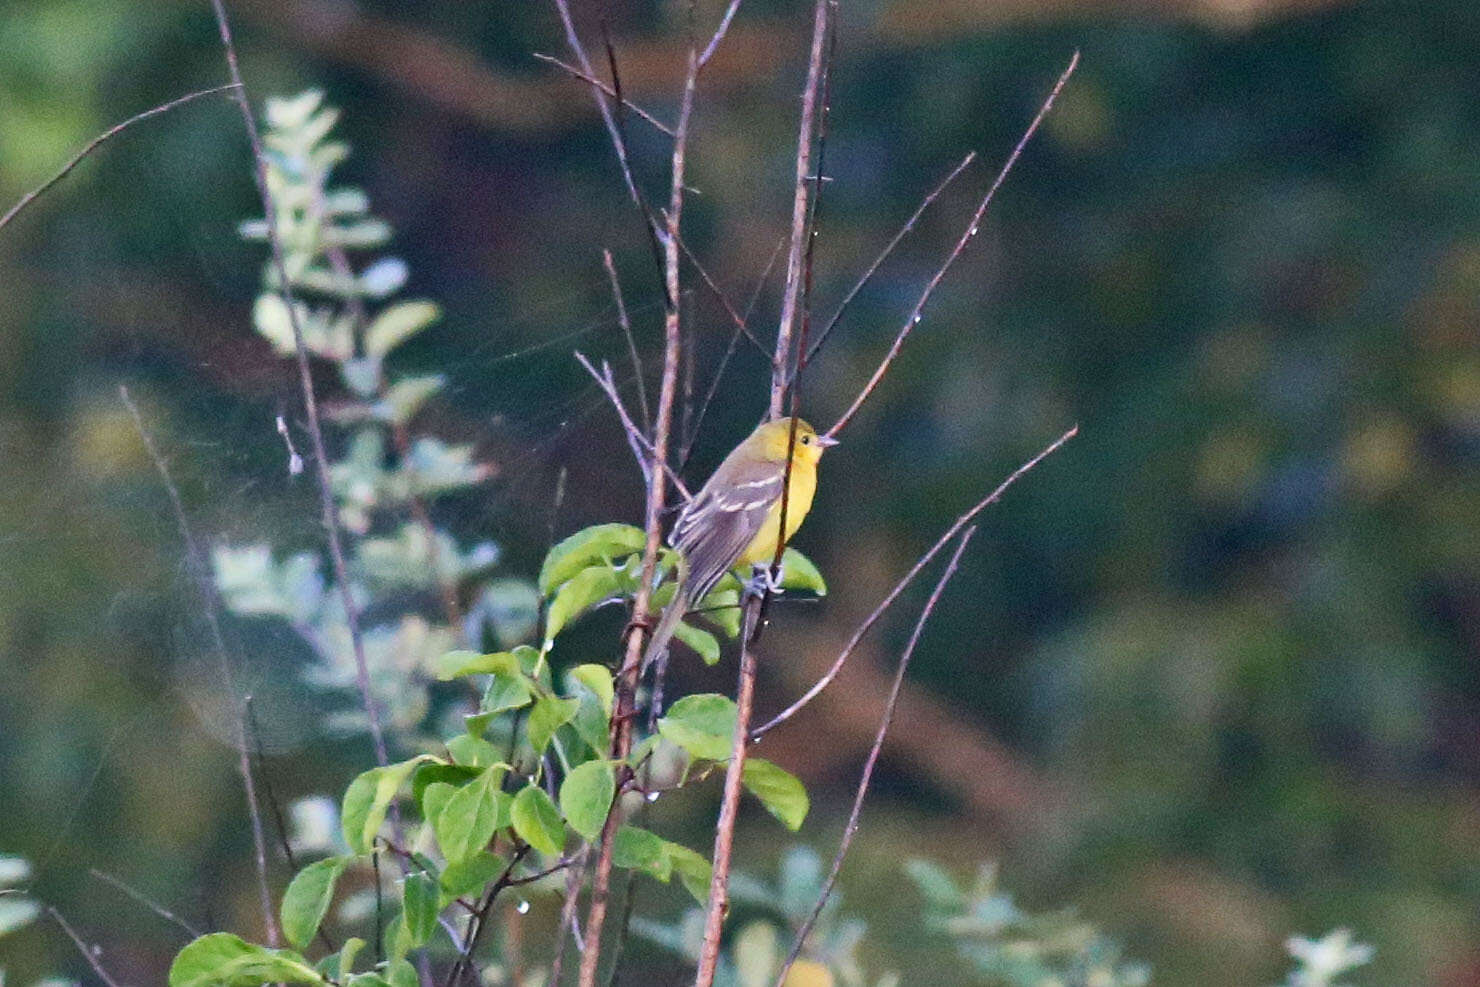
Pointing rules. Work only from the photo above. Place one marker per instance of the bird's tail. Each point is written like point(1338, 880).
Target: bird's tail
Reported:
point(672, 614)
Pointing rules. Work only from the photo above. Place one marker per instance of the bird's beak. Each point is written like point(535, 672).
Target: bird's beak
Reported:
point(826, 441)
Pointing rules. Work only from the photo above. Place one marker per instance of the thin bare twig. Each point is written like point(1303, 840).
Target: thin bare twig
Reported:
point(719, 373)
point(146, 901)
point(873, 268)
point(97, 141)
point(966, 235)
point(310, 400)
point(873, 756)
point(799, 209)
point(626, 324)
point(201, 574)
point(574, 878)
point(89, 953)
point(658, 125)
point(909, 577)
point(736, 319)
point(628, 674)
point(641, 447)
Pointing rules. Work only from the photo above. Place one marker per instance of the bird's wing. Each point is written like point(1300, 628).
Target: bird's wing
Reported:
point(722, 520)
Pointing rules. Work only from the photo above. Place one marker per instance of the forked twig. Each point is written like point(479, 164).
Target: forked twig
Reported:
point(658, 125)
point(851, 829)
point(642, 449)
point(97, 141)
point(899, 587)
point(915, 313)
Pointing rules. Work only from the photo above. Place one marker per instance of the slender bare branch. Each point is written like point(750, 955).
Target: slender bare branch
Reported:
point(630, 670)
point(799, 209)
point(719, 373)
point(641, 447)
point(89, 953)
point(658, 125)
point(146, 901)
point(873, 756)
point(626, 324)
point(736, 319)
point(573, 880)
point(719, 33)
point(966, 235)
point(210, 602)
point(724, 831)
point(327, 506)
point(909, 577)
point(873, 268)
point(98, 141)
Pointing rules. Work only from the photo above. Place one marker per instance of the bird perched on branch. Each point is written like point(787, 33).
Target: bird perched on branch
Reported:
point(736, 518)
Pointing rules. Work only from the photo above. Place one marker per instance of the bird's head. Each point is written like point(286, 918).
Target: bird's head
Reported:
point(772, 439)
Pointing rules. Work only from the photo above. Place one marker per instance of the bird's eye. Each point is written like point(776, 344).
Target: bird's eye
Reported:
point(806, 440)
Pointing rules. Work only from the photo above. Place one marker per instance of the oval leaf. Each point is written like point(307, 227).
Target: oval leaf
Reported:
point(702, 724)
point(307, 899)
point(639, 849)
point(780, 791)
point(549, 714)
point(694, 869)
point(598, 680)
point(369, 797)
point(701, 641)
point(468, 821)
point(580, 593)
point(586, 798)
point(419, 905)
point(798, 572)
point(224, 960)
point(537, 821)
point(584, 548)
point(397, 323)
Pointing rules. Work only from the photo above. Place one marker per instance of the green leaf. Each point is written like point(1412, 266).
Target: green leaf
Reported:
point(347, 954)
point(470, 875)
point(404, 398)
point(592, 725)
point(369, 797)
point(694, 869)
point(224, 960)
point(936, 885)
point(780, 791)
point(472, 752)
point(638, 849)
point(598, 680)
point(584, 548)
point(455, 664)
point(798, 572)
point(549, 714)
point(506, 693)
point(586, 798)
point(722, 609)
point(702, 724)
point(397, 323)
point(403, 974)
point(580, 593)
point(537, 821)
point(453, 775)
point(471, 816)
point(307, 899)
point(701, 641)
point(420, 905)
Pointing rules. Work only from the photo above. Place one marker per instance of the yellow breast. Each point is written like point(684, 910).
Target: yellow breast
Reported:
point(802, 486)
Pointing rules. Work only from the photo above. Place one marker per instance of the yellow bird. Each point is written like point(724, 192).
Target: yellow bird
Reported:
point(735, 518)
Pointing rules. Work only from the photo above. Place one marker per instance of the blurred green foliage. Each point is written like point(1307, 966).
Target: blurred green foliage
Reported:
point(1233, 626)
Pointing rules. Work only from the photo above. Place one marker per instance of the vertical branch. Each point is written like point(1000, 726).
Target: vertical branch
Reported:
point(781, 372)
point(799, 210)
point(873, 757)
point(200, 572)
point(626, 324)
point(626, 684)
point(330, 513)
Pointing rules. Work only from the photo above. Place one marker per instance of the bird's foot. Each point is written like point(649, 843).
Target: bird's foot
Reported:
point(763, 581)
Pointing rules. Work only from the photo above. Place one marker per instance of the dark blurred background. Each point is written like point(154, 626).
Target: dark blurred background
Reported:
point(1209, 674)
